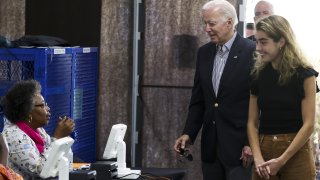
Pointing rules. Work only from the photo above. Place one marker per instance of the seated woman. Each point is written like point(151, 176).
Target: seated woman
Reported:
point(28, 113)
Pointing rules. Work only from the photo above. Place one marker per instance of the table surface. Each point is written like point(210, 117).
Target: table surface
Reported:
point(169, 173)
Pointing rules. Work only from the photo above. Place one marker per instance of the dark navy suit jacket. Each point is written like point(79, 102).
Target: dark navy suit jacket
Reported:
point(223, 118)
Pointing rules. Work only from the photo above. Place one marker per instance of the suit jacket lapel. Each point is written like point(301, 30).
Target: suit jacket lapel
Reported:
point(210, 55)
point(231, 62)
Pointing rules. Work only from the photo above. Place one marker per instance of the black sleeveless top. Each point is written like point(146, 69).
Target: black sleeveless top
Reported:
point(280, 105)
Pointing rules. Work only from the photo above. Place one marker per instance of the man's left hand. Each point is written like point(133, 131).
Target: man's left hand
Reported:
point(246, 156)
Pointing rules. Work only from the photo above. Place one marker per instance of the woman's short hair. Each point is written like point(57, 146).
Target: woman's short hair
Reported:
point(19, 100)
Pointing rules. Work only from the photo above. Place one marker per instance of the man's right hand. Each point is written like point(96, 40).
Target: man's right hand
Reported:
point(181, 142)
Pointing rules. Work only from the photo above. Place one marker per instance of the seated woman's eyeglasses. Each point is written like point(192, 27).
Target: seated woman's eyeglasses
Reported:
point(41, 105)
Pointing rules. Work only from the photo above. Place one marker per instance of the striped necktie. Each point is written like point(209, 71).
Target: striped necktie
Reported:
point(218, 67)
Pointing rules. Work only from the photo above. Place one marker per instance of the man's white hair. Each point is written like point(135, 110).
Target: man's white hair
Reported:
point(226, 9)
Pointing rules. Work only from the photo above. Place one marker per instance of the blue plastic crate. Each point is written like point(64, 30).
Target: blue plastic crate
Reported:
point(68, 77)
point(85, 100)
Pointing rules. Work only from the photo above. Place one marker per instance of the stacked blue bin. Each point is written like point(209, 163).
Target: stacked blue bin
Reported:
point(68, 77)
point(84, 111)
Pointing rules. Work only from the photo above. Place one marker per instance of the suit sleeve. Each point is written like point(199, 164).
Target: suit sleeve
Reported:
point(196, 106)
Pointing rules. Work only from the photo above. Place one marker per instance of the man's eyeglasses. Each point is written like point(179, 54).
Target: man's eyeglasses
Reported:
point(41, 105)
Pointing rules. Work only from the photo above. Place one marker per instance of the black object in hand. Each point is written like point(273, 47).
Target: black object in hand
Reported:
point(185, 153)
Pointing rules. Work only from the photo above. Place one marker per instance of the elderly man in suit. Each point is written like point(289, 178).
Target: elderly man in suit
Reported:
point(220, 97)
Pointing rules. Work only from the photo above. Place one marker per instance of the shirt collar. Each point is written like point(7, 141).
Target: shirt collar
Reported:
point(228, 44)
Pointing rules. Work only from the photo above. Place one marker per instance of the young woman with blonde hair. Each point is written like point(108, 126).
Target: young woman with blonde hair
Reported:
point(282, 105)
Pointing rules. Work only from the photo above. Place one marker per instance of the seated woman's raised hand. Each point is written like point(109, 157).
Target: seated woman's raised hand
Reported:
point(64, 128)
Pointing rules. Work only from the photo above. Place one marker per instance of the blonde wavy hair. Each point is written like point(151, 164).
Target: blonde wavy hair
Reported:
point(291, 55)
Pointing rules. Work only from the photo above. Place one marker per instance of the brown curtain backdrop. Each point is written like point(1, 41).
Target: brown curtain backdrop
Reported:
point(12, 18)
point(173, 32)
point(115, 70)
